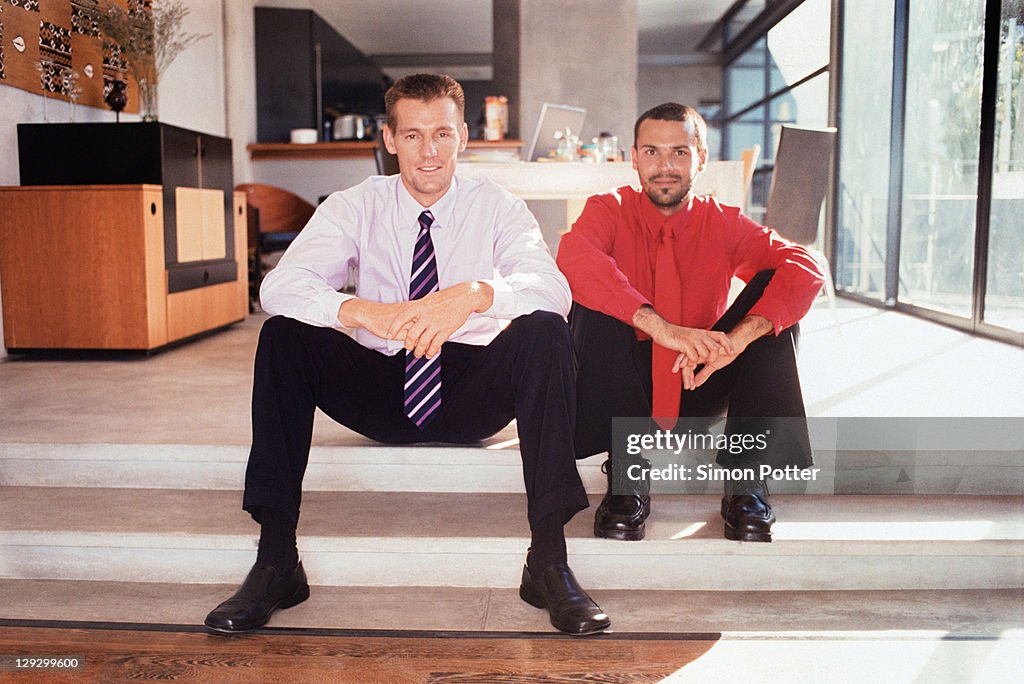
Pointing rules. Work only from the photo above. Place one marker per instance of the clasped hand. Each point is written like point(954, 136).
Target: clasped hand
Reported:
point(422, 324)
point(708, 348)
point(715, 350)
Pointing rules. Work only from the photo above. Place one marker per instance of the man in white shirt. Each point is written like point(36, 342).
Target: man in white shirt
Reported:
point(442, 262)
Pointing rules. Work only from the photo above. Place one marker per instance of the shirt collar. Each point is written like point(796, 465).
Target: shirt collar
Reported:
point(655, 220)
point(441, 210)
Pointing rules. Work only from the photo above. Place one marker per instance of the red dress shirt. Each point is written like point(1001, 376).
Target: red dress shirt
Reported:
point(609, 255)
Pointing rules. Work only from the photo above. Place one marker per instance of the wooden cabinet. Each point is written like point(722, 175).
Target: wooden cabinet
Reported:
point(84, 267)
point(193, 169)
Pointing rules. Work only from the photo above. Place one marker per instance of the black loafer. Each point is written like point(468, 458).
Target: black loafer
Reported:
point(748, 517)
point(622, 516)
point(568, 606)
point(263, 591)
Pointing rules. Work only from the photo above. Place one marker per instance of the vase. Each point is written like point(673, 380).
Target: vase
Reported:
point(148, 99)
point(117, 96)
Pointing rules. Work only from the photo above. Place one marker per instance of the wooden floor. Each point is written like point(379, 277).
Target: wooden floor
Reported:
point(113, 655)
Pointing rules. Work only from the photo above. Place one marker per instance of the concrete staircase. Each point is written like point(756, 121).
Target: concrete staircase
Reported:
point(450, 519)
point(433, 537)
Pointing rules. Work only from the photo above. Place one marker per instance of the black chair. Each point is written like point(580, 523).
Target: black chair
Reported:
point(387, 163)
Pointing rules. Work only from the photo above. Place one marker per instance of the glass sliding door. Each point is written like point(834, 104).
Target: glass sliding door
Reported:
point(940, 168)
point(1004, 294)
point(930, 183)
point(864, 133)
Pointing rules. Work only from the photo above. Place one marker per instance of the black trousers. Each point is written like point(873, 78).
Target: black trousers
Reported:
point(614, 380)
point(525, 373)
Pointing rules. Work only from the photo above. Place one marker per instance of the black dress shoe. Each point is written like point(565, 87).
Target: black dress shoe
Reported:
point(748, 517)
point(568, 606)
point(622, 516)
point(263, 591)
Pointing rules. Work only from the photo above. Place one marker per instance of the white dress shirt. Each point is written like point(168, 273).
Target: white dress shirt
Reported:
point(480, 232)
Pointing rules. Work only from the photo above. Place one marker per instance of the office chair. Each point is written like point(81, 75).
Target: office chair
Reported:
point(276, 216)
point(387, 163)
point(803, 165)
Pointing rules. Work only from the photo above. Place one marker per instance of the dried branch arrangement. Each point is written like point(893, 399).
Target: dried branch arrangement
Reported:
point(149, 40)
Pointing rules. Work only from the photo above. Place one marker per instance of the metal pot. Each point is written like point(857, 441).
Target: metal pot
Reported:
point(353, 127)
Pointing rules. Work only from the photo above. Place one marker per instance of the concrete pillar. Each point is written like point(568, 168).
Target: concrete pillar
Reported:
point(575, 52)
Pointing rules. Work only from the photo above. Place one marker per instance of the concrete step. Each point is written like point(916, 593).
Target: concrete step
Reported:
point(473, 540)
point(903, 615)
point(351, 463)
point(357, 466)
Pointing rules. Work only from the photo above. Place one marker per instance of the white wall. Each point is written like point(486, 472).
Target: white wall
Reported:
point(192, 91)
point(240, 82)
point(311, 179)
point(191, 95)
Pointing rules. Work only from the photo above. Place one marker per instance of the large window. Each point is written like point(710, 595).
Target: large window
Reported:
point(940, 163)
point(1004, 296)
point(864, 132)
point(928, 210)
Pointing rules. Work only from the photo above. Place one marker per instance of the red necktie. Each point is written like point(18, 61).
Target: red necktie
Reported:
point(668, 303)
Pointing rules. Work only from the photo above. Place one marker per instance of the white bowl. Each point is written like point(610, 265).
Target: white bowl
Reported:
point(303, 136)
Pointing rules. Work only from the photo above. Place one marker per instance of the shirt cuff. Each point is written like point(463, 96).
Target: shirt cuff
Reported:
point(625, 306)
point(504, 302)
point(327, 305)
point(776, 314)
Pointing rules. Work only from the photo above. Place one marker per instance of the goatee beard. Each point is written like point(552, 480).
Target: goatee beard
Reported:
point(668, 200)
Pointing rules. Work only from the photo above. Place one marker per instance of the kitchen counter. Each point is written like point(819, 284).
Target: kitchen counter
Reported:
point(569, 184)
point(556, 191)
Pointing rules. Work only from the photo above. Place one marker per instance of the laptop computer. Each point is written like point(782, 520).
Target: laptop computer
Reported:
point(554, 118)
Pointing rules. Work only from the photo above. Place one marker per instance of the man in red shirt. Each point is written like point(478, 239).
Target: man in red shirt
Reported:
point(650, 272)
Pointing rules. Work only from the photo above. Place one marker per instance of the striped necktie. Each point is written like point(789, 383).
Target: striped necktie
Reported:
point(423, 375)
